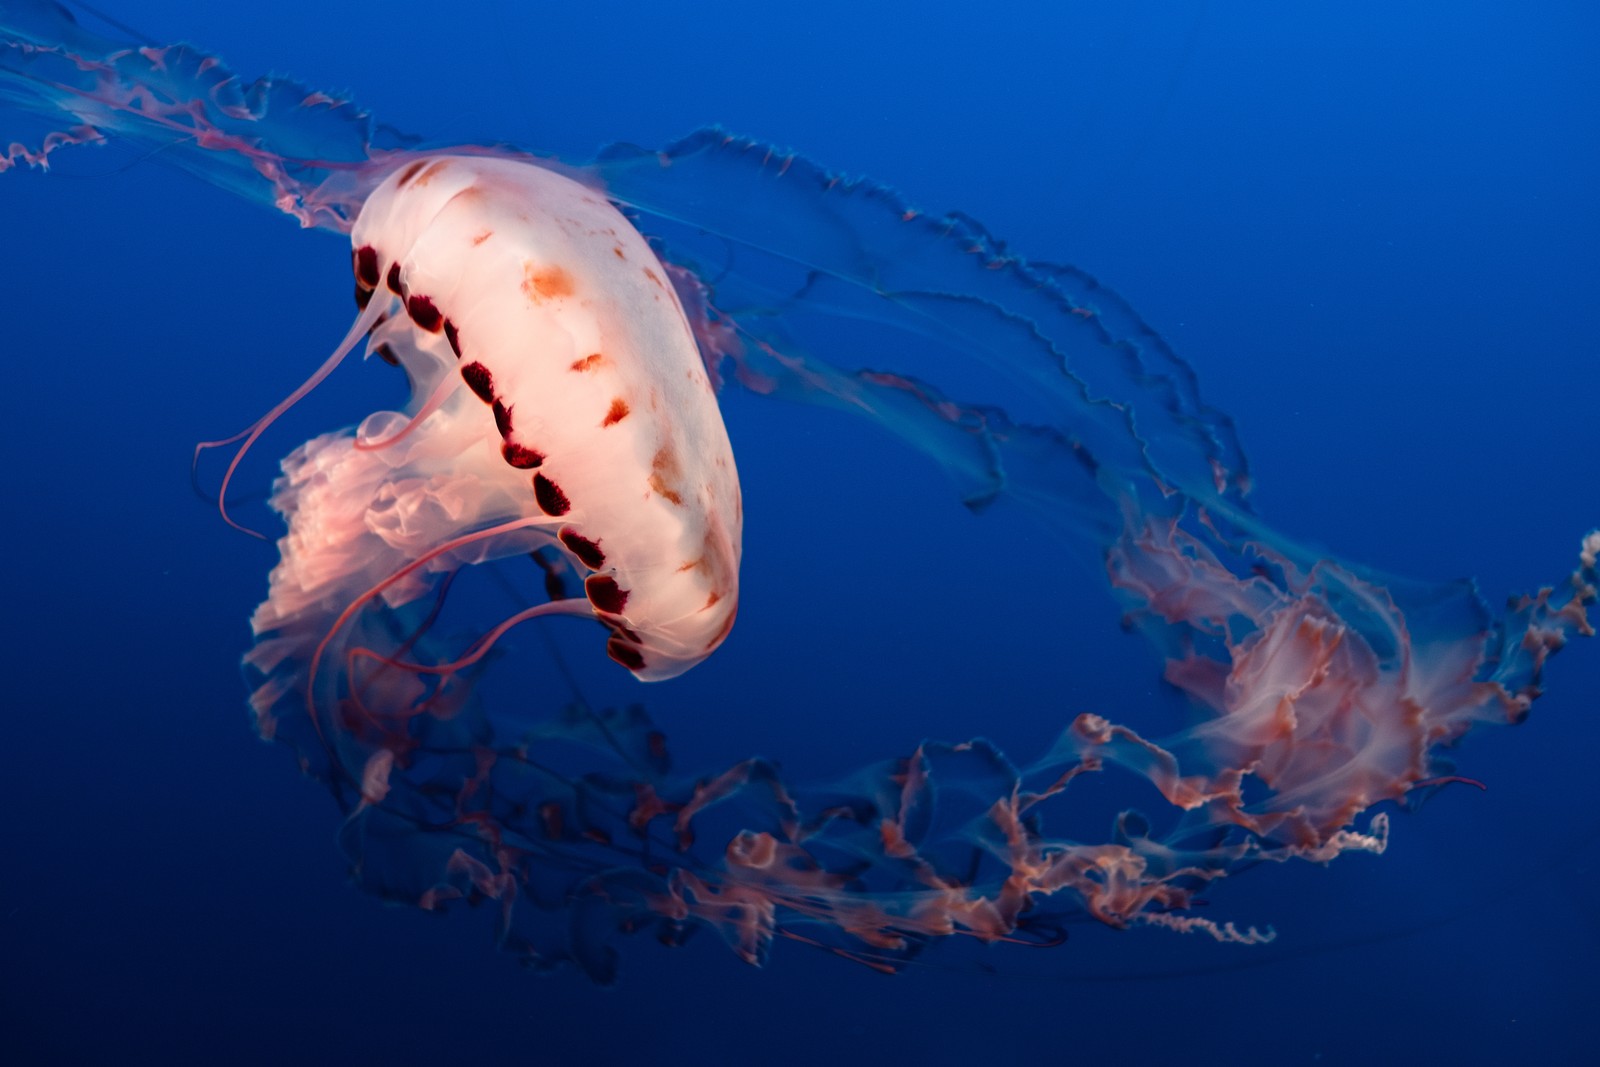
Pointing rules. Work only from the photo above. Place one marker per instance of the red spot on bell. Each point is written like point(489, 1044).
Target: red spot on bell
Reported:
point(521, 456)
point(616, 413)
point(604, 593)
point(479, 380)
point(587, 551)
point(624, 654)
point(424, 314)
point(550, 497)
point(366, 265)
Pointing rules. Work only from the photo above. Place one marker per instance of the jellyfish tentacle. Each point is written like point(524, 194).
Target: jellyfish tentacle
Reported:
point(364, 322)
point(443, 391)
point(483, 645)
point(531, 522)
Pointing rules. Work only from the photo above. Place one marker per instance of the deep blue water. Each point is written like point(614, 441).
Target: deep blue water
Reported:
point(1372, 233)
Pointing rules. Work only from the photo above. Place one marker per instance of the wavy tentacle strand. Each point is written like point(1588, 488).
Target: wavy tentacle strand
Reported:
point(962, 309)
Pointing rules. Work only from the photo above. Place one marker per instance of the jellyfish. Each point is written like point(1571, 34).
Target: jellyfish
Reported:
point(565, 328)
point(561, 396)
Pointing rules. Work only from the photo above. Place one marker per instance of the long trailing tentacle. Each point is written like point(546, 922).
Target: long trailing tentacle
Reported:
point(359, 329)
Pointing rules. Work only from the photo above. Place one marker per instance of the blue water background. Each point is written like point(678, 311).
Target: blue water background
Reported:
point(1371, 230)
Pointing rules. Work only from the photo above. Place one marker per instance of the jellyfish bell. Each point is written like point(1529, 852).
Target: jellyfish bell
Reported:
point(558, 364)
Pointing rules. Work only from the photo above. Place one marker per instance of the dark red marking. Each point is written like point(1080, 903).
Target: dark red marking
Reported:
point(453, 337)
point(604, 593)
point(502, 419)
point(626, 655)
point(385, 353)
point(521, 456)
point(363, 297)
point(618, 412)
point(587, 551)
point(424, 314)
point(550, 496)
point(366, 266)
point(394, 280)
point(479, 380)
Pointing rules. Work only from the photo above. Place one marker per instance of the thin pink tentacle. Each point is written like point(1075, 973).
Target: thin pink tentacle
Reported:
point(364, 322)
point(480, 648)
point(405, 646)
point(422, 560)
point(441, 392)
